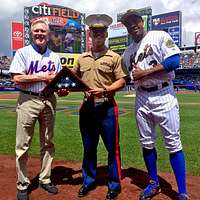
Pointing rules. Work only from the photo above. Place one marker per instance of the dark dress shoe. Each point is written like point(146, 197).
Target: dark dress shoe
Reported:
point(112, 195)
point(22, 194)
point(49, 187)
point(83, 191)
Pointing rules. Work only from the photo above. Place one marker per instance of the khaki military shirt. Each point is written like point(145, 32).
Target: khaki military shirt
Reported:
point(101, 71)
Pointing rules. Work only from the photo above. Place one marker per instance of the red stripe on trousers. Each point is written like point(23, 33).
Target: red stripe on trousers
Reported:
point(117, 141)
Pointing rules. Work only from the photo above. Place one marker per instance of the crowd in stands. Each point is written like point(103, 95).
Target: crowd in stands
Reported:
point(5, 79)
point(190, 59)
point(187, 81)
point(5, 62)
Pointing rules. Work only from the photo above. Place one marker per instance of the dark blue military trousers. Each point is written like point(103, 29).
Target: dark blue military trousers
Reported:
point(100, 119)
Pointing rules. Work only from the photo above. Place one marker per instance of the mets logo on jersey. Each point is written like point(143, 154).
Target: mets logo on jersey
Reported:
point(35, 68)
point(144, 54)
point(147, 51)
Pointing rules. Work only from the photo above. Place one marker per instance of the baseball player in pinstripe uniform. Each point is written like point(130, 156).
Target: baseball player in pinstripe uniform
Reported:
point(32, 68)
point(102, 70)
point(152, 58)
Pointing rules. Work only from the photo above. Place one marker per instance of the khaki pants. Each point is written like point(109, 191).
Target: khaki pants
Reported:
point(30, 109)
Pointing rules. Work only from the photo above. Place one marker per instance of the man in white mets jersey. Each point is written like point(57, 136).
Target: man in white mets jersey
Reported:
point(32, 68)
point(151, 59)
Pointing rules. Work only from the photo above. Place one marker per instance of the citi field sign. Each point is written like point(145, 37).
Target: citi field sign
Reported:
point(49, 10)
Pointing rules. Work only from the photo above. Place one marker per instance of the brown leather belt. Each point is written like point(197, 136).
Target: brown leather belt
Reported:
point(155, 88)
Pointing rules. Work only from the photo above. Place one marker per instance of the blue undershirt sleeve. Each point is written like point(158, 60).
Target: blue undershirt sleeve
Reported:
point(171, 63)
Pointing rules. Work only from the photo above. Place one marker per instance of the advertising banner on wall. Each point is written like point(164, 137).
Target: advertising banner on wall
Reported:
point(17, 30)
point(171, 23)
point(118, 44)
point(67, 30)
point(68, 59)
point(117, 30)
point(197, 38)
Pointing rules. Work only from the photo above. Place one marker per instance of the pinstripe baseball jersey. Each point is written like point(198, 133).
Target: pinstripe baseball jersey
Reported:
point(151, 50)
point(28, 61)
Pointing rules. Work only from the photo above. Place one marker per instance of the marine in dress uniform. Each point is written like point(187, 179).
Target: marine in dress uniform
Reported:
point(101, 69)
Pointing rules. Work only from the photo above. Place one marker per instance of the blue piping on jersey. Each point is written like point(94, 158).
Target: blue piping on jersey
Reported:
point(171, 63)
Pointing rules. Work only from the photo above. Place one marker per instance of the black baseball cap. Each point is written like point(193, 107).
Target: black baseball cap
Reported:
point(130, 14)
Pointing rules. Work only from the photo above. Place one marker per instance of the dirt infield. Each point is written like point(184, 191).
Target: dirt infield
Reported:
point(8, 96)
point(67, 177)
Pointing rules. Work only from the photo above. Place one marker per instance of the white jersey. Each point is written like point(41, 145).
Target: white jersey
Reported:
point(28, 61)
point(151, 50)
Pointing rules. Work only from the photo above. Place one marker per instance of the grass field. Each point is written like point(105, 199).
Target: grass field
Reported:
point(68, 141)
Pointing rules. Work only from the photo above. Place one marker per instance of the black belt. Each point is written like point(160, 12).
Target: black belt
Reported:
point(36, 94)
point(98, 99)
point(155, 88)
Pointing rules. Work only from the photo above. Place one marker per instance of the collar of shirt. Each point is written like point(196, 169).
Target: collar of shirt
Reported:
point(37, 49)
point(106, 52)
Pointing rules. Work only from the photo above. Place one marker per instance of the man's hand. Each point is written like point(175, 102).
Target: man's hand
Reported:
point(99, 92)
point(62, 92)
point(138, 73)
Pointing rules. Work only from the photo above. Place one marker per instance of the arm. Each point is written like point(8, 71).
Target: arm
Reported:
point(139, 73)
point(117, 85)
point(21, 78)
point(111, 89)
point(169, 64)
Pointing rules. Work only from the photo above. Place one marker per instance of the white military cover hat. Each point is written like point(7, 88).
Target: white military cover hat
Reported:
point(98, 21)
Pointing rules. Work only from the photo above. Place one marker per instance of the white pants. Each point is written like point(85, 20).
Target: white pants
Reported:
point(158, 108)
